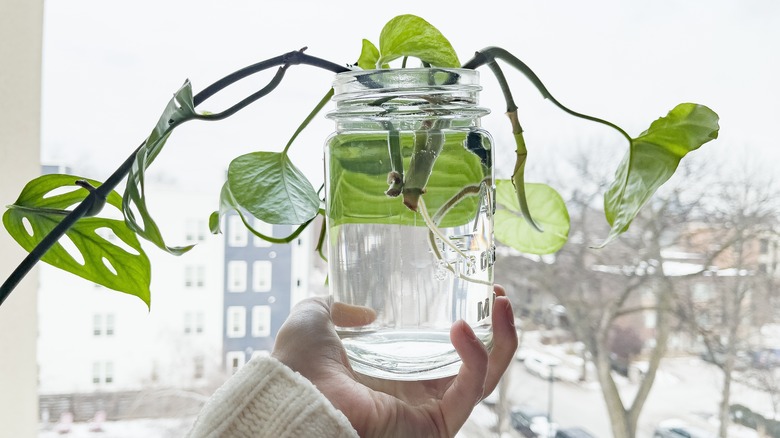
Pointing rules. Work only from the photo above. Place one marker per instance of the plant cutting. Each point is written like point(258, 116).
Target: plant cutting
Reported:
point(409, 199)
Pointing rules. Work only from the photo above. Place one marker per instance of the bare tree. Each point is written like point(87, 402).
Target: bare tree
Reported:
point(616, 286)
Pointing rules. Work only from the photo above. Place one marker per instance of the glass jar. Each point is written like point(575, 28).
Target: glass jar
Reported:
point(410, 202)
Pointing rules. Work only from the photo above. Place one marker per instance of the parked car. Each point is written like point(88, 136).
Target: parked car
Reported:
point(678, 429)
point(573, 432)
point(531, 423)
point(540, 364)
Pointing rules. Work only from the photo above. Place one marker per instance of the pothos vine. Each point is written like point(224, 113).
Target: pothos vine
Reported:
point(40, 216)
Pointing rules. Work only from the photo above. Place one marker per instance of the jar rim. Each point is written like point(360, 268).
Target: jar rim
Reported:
point(359, 81)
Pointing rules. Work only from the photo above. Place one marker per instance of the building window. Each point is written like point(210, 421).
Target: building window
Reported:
point(237, 232)
point(102, 372)
point(236, 322)
point(96, 372)
point(261, 321)
point(187, 323)
point(199, 367)
point(199, 322)
point(189, 318)
point(236, 276)
point(264, 229)
point(97, 325)
point(764, 246)
point(109, 369)
point(234, 360)
point(103, 324)
point(109, 324)
point(195, 230)
point(261, 276)
point(194, 276)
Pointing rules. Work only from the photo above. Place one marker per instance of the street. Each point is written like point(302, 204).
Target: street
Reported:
point(686, 388)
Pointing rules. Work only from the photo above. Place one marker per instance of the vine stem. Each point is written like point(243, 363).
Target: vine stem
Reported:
point(490, 54)
point(87, 207)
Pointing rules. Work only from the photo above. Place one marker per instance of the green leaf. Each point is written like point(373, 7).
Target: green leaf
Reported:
point(550, 211)
point(42, 209)
point(369, 55)
point(409, 35)
point(272, 189)
point(180, 109)
point(652, 159)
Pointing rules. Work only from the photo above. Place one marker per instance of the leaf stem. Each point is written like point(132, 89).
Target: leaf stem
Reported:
point(89, 203)
point(490, 54)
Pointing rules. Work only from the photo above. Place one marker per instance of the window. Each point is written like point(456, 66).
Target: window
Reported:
point(764, 246)
point(199, 366)
point(102, 372)
point(187, 323)
point(199, 322)
point(261, 321)
point(109, 376)
point(234, 360)
point(109, 324)
point(96, 372)
point(193, 322)
point(236, 276)
point(261, 276)
point(97, 325)
point(265, 229)
point(194, 276)
point(236, 322)
point(103, 324)
point(195, 230)
point(237, 232)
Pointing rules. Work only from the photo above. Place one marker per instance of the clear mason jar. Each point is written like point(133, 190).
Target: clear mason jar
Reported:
point(408, 144)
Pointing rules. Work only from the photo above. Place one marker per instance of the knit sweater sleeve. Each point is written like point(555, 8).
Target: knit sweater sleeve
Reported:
point(265, 398)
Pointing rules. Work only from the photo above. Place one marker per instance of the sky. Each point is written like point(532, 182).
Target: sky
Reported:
point(111, 67)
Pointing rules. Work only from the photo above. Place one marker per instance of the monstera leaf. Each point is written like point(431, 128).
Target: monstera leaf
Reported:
point(104, 251)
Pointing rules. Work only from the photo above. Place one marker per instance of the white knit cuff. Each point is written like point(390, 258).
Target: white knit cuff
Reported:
point(265, 398)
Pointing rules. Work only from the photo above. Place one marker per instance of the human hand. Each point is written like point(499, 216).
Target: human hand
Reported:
point(308, 343)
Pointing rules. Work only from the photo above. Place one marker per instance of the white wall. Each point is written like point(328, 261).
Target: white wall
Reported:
point(20, 94)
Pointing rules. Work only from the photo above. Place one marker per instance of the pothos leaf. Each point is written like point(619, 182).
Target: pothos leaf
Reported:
point(180, 109)
point(272, 189)
point(369, 55)
point(652, 159)
point(549, 210)
point(409, 35)
point(96, 257)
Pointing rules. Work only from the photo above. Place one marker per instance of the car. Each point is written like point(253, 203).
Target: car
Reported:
point(678, 429)
point(573, 432)
point(540, 365)
point(531, 422)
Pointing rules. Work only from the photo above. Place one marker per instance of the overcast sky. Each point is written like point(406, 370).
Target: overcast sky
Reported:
point(111, 67)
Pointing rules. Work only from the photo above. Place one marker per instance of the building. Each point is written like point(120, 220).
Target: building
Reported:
point(262, 283)
point(96, 341)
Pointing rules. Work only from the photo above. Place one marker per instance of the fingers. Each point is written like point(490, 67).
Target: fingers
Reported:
point(346, 315)
point(308, 332)
point(504, 340)
point(467, 387)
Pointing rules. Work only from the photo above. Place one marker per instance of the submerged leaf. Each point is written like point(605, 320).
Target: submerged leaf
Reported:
point(95, 254)
point(652, 159)
point(409, 35)
point(549, 209)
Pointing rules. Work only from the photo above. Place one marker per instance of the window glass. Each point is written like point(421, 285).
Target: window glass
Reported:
point(261, 321)
point(261, 276)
